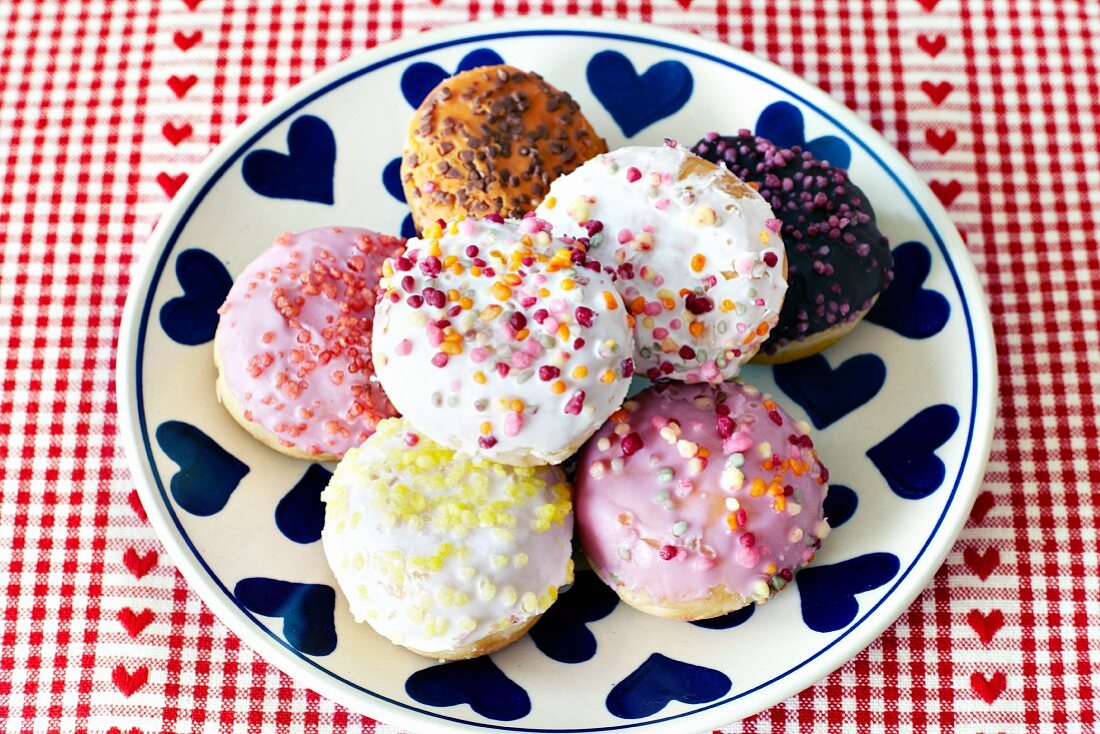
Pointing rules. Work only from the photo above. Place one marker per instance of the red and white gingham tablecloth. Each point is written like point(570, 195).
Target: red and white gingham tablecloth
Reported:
point(105, 105)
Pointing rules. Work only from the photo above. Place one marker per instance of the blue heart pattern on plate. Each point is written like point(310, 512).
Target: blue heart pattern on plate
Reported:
point(829, 592)
point(907, 307)
point(783, 124)
point(661, 680)
point(478, 683)
point(208, 473)
point(840, 505)
point(637, 101)
point(423, 76)
point(735, 618)
point(306, 611)
point(305, 172)
point(391, 180)
point(300, 514)
point(907, 457)
point(828, 394)
point(562, 634)
point(192, 318)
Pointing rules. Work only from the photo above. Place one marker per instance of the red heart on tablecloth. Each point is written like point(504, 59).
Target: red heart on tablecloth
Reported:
point(982, 563)
point(982, 506)
point(139, 565)
point(990, 688)
point(116, 730)
point(181, 84)
point(946, 192)
point(685, 4)
point(171, 184)
point(136, 506)
point(135, 623)
point(936, 92)
point(128, 683)
point(986, 625)
point(942, 142)
point(187, 41)
point(176, 134)
point(192, 4)
point(928, 5)
point(932, 45)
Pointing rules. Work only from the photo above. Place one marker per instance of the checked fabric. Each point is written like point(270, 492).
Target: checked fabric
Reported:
point(106, 105)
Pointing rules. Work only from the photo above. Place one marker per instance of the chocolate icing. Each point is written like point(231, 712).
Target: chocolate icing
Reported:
point(837, 259)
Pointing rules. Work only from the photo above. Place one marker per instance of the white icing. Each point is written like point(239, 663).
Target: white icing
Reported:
point(437, 551)
point(681, 223)
point(471, 402)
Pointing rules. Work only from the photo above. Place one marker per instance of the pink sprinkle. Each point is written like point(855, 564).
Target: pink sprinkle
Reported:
point(576, 402)
point(631, 443)
point(435, 335)
point(521, 360)
point(709, 371)
point(662, 203)
point(439, 359)
point(466, 227)
point(429, 187)
point(748, 557)
point(738, 443)
point(703, 564)
point(403, 347)
point(633, 174)
point(660, 333)
point(503, 369)
point(513, 422)
point(411, 439)
point(550, 324)
point(625, 235)
point(652, 308)
point(533, 348)
point(478, 355)
point(773, 224)
point(759, 302)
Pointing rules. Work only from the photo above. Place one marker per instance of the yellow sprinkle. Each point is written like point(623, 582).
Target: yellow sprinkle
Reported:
point(450, 347)
point(486, 590)
point(498, 561)
point(530, 602)
point(608, 376)
point(610, 301)
point(490, 312)
point(765, 237)
point(580, 372)
point(558, 387)
point(567, 284)
point(467, 624)
point(516, 405)
point(757, 488)
point(544, 292)
point(501, 292)
point(486, 428)
point(698, 260)
point(466, 303)
point(726, 305)
point(551, 202)
point(509, 596)
point(520, 560)
point(479, 377)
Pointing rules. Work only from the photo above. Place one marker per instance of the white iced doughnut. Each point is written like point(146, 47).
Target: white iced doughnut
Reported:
point(495, 339)
point(449, 556)
point(699, 258)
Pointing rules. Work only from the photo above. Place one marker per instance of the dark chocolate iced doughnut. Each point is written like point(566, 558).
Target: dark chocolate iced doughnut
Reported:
point(838, 260)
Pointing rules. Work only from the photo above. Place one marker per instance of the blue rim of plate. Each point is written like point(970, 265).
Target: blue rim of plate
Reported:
point(280, 117)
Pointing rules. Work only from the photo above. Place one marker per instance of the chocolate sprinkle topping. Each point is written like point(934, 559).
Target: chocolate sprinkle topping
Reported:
point(502, 134)
point(837, 259)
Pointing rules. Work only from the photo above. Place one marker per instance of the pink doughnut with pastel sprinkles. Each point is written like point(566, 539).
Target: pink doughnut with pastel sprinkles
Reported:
point(697, 252)
point(494, 338)
point(695, 500)
point(293, 345)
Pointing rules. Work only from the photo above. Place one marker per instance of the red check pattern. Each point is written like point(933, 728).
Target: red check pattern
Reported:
point(105, 107)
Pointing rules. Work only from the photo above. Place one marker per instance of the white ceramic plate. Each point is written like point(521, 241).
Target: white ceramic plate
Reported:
point(241, 521)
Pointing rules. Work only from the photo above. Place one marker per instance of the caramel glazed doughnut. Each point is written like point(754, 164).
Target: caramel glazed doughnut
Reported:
point(839, 260)
point(495, 339)
point(696, 500)
point(449, 556)
point(490, 141)
point(698, 256)
point(293, 344)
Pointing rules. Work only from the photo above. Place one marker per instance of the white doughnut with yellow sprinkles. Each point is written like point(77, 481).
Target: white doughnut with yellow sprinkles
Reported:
point(447, 555)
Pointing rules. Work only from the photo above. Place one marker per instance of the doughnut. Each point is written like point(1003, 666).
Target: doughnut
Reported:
point(449, 556)
point(494, 339)
point(697, 253)
point(490, 141)
point(293, 344)
point(838, 260)
point(696, 500)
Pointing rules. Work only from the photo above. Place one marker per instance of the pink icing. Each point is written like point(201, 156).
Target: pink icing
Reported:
point(664, 511)
point(294, 338)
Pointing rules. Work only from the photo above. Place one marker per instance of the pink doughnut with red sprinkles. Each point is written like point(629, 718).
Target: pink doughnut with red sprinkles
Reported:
point(293, 346)
point(695, 500)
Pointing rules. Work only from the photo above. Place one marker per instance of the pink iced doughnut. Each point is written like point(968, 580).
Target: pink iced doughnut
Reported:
point(696, 500)
point(293, 346)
